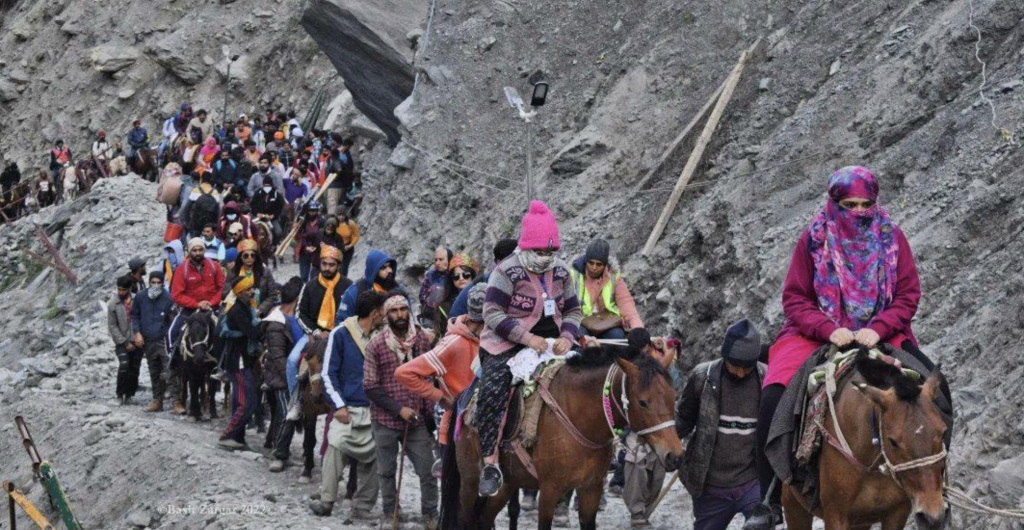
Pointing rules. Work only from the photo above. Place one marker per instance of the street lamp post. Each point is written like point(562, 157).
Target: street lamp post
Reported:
point(227, 87)
point(537, 99)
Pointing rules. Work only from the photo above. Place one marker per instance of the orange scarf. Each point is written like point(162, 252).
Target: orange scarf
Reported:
point(328, 309)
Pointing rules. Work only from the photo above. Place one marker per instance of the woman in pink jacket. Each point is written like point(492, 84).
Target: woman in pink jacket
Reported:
point(852, 279)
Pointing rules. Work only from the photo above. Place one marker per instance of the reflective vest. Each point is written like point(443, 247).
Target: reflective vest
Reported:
point(607, 294)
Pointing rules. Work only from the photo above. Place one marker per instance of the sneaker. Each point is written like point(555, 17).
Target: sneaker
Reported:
point(178, 409)
point(219, 375)
point(764, 517)
point(294, 408)
point(321, 508)
point(435, 470)
point(276, 466)
point(490, 481)
point(156, 406)
point(233, 445)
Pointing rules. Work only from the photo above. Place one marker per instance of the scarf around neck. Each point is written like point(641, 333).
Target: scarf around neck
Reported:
point(328, 307)
point(402, 348)
point(855, 253)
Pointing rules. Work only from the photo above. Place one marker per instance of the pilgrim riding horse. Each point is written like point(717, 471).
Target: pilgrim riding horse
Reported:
point(587, 403)
point(885, 458)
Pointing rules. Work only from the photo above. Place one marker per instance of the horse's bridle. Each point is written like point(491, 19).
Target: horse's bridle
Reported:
point(186, 349)
point(893, 469)
point(608, 401)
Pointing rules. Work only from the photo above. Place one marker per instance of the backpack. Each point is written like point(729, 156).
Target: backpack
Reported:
point(203, 211)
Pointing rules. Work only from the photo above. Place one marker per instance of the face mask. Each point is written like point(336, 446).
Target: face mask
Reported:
point(266, 189)
point(536, 263)
point(173, 258)
point(155, 291)
point(231, 216)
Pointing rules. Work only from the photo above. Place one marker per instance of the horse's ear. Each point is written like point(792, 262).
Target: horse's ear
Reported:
point(627, 366)
point(882, 398)
point(931, 385)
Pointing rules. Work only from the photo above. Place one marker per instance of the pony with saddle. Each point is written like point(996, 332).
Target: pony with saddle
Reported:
point(868, 444)
point(198, 340)
point(581, 404)
point(145, 165)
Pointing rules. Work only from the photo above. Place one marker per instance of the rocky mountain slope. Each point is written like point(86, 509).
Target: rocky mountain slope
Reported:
point(929, 94)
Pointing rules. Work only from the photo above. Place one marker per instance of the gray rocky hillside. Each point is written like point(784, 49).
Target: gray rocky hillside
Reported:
point(892, 84)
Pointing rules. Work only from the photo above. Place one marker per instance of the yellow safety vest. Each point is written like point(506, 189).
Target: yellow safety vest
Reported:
point(607, 294)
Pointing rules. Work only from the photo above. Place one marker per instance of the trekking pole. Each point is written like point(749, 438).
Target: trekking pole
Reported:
point(664, 492)
point(401, 469)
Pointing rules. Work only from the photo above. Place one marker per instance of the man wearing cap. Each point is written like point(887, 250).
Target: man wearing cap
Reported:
point(452, 363)
point(351, 431)
point(138, 139)
point(719, 406)
point(398, 414)
point(321, 297)
point(151, 316)
point(603, 294)
point(197, 286)
point(137, 271)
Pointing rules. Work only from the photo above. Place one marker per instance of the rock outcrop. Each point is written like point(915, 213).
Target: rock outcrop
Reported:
point(366, 41)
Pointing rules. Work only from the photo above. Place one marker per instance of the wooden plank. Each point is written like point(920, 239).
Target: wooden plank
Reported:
point(698, 151)
point(283, 245)
point(682, 136)
point(62, 265)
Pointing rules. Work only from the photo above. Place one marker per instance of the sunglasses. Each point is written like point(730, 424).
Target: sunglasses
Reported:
point(248, 254)
point(463, 276)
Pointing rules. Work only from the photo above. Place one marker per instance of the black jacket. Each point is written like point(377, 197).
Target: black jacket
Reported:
point(278, 339)
point(697, 413)
point(310, 299)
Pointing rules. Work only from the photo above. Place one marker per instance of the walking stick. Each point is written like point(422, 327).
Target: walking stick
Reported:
point(401, 468)
point(664, 492)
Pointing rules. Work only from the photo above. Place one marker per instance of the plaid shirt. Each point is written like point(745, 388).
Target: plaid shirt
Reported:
point(379, 374)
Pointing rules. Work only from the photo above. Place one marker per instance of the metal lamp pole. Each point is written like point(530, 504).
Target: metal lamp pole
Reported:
point(227, 88)
point(540, 92)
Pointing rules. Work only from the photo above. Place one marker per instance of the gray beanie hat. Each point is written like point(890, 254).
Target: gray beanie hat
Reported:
point(598, 250)
point(742, 345)
point(475, 303)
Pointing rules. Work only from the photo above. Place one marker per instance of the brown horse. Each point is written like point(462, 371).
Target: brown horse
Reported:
point(314, 404)
point(855, 491)
point(144, 164)
point(640, 396)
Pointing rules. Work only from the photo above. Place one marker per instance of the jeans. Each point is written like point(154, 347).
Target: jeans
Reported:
point(157, 362)
point(346, 260)
point(291, 369)
point(716, 507)
point(418, 447)
point(305, 265)
point(614, 333)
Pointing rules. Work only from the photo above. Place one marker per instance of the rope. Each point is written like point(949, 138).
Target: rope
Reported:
point(962, 500)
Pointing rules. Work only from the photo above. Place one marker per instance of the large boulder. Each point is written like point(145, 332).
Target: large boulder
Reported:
point(109, 58)
point(366, 41)
point(177, 62)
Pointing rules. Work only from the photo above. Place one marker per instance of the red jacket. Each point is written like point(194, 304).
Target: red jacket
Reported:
point(191, 286)
point(804, 317)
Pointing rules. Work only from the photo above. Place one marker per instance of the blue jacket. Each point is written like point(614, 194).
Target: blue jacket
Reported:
point(151, 317)
point(461, 304)
point(342, 371)
point(375, 261)
point(138, 137)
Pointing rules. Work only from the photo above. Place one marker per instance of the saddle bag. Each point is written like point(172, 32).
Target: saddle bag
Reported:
point(601, 323)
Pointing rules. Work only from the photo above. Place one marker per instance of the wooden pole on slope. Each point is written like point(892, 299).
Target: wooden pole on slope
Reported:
point(698, 151)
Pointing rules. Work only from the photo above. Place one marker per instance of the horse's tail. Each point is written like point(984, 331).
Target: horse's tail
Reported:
point(451, 480)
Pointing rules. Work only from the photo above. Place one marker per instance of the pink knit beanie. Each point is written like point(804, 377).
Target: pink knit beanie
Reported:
point(540, 231)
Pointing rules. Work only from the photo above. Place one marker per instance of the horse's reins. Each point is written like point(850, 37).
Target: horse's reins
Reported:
point(608, 401)
point(186, 348)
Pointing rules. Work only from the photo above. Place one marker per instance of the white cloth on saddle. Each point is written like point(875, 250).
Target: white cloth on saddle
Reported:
point(525, 363)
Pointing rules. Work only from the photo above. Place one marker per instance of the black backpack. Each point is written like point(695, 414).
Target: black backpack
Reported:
point(203, 211)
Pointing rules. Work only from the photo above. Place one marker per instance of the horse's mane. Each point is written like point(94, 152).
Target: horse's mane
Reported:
point(883, 375)
point(605, 355)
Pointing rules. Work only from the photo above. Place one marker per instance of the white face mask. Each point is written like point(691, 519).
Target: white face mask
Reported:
point(155, 291)
point(231, 216)
point(266, 189)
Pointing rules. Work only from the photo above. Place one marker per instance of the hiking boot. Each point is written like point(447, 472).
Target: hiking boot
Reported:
point(430, 522)
point(321, 508)
point(233, 445)
point(435, 470)
point(179, 408)
point(276, 466)
point(156, 406)
point(639, 521)
point(490, 481)
point(765, 517)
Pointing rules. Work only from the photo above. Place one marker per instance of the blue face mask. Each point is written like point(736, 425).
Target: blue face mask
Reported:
point(173, 258)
